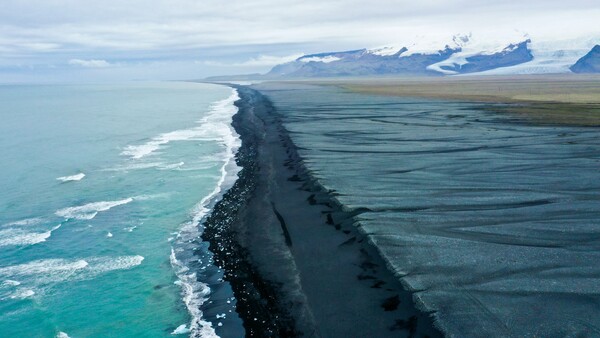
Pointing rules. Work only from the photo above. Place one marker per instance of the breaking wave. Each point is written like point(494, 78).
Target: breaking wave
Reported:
point(214, 127)
point(25, 280)
point(90, 210)
point(77, 177)
point(17, 236)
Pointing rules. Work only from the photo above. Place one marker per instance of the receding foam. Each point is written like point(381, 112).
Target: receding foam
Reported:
point(195, 293)
point(181, 329)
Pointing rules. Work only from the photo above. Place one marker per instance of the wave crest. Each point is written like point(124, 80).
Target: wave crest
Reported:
point(90, 210)
point(77, 177)
point(36, 276)
point(215, 127)
point(17, 236)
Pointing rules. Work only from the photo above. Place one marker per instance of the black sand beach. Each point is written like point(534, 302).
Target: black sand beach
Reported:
point(488, 219)
point(296, 261)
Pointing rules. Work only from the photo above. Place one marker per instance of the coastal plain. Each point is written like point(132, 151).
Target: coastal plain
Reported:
point(566, 99)
point(396, 215)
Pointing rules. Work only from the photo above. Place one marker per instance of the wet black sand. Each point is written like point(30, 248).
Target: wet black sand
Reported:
point(297, 262)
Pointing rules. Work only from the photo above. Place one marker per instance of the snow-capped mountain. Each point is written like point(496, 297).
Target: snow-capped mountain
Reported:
point(477, 55)
point(514, 53)
point(359, 63)
point(459, 55)
point(423, 45)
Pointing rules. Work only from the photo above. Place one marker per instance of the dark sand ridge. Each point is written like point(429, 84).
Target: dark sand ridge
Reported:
point(297, 263)
point(569, 99)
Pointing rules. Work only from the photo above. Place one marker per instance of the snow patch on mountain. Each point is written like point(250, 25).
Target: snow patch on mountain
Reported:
point(422, 45)
point(324, 59)
point(471, 47)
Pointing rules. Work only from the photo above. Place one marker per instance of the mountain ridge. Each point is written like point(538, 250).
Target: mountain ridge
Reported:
point(462, 54)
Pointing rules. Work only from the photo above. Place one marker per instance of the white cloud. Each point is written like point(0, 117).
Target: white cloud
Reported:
point(43, 32)
point(40, 46)
point(268, 60)
point(89, 63)
point(259, 61)
point(159, 24)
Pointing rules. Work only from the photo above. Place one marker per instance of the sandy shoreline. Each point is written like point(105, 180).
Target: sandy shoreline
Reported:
point(295, 259)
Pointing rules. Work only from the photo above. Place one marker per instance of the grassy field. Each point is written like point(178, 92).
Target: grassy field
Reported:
point(550, 99)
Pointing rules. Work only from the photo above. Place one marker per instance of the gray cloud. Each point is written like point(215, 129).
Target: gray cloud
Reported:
point(44, 31)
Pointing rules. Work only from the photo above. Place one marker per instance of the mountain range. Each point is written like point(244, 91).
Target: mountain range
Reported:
point(462, 54)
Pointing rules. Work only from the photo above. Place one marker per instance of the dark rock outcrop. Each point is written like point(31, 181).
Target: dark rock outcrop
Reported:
point(589, 63)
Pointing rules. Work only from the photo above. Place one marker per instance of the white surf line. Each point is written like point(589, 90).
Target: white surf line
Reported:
point(195, 292)
point(209, 128)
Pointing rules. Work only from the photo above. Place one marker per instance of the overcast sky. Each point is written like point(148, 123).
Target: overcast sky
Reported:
point(84, 40)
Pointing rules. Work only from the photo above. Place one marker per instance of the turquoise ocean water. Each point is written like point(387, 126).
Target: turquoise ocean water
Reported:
point(102, 189)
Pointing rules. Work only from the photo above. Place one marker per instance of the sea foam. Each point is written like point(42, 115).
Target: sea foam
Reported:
point(17, 236)
point(195, 293)
point(40, 274)
point(90, 210)
point(22, 294)
point(43, 271)
point(172, 166)
point(181, 329)
point(9, 282)
point(100, 265)
point(215, 126)
point(27, 221)
point(77, 177)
